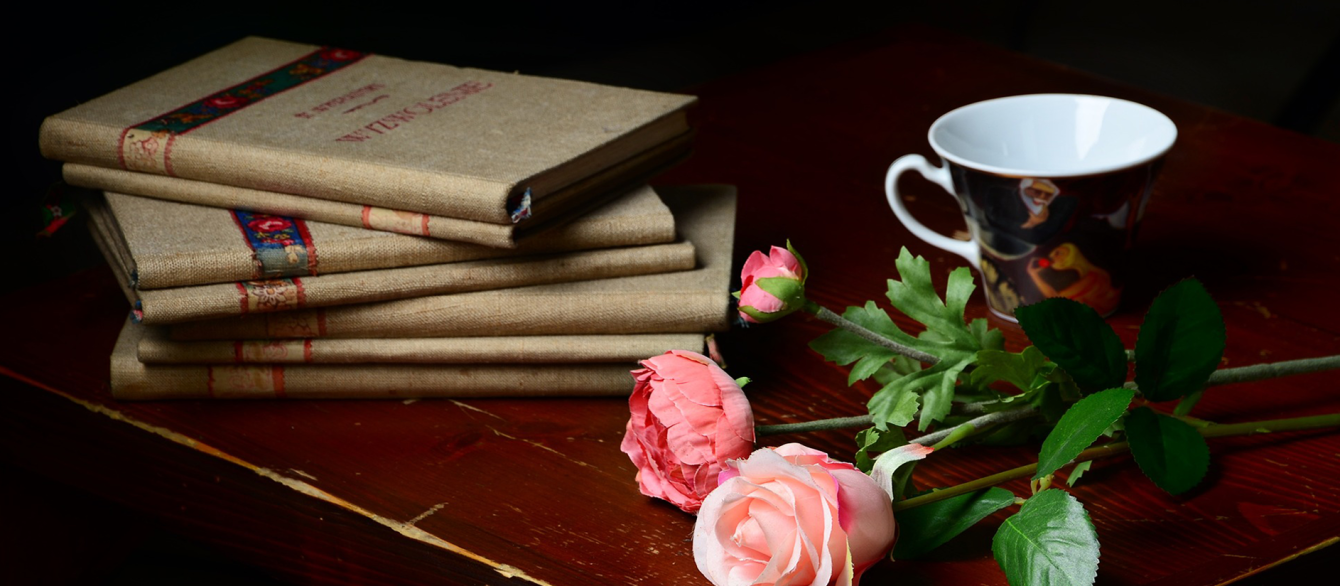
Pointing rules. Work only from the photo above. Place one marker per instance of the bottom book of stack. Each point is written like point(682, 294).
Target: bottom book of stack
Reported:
point(146, 366)
point(573, 339)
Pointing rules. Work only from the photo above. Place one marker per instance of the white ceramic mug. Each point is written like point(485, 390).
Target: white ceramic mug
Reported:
point(1052, 187)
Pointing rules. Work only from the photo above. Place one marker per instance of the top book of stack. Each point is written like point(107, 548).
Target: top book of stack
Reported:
point(378, 131)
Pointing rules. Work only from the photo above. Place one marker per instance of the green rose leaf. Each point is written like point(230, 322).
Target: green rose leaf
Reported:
point(1049, 541)
point(1075, 337)
point(1080, 426)
point(1170, 452)
point(927, 527)
point(1180, 343)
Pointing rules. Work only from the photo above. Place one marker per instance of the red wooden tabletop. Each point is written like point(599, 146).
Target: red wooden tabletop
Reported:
point(537, 491)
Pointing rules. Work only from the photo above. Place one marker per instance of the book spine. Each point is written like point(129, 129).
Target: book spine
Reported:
point(491, 350)
point(483, 314)
point(164, 306)
point(368, 381)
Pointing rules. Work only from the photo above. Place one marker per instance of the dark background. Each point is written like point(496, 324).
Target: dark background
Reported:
point(1275, 61)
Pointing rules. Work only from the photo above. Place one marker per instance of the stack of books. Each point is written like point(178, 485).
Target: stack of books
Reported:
point(298, 221)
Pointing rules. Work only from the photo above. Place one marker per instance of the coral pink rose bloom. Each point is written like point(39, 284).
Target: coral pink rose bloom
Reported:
point(778, 263)
point(790, 515)
point(689, 417)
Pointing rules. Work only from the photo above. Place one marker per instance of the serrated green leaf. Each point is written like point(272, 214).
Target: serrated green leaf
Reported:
point(1170, 452)
point(1050, 541)
point(946, 337)
point(1018, 369)
point(927, 527)
point(1080, 427)
point(989, 338)
point(875, 440)
point(895, 369)
point(1077, 472)
point(1075, 337)
point(938, 399)
point(867, 366)
point(895, 404)
point(1180, 344)
point(916, 297)
point(843, 347)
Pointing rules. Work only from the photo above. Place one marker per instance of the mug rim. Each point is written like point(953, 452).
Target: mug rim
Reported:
point(1024, 172)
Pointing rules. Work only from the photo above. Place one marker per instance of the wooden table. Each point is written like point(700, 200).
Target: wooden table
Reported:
point(536, 491)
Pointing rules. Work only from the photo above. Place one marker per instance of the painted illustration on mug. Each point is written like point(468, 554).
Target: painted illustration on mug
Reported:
point(1058, 237)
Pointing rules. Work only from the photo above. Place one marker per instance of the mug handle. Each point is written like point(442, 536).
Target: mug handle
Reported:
point(940, 176)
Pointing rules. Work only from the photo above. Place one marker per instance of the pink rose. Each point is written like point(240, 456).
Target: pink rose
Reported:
point(772, 285)
point(689, 417)
point(790, 515)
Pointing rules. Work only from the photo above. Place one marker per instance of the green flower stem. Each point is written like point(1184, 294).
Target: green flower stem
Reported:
point(1223, 376)
point(933, 438)
point(1112, 449)
point(816, 425)
point(959, 432)
point(827, 315)
point(949, 435)
point(1255, 372)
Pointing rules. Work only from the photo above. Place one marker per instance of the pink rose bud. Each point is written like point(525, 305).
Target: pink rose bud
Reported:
point(772, 285)
point(790, 515)
point(689, 417)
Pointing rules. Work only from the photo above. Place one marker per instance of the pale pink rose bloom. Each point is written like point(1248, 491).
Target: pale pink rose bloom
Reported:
point(790, 515)
point(688, 418)
point(779, 263)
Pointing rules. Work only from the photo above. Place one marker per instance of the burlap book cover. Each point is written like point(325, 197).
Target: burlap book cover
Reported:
point(167, 244)
point(683, 302)
point(180, 304)
point(366, 129)
point(133, 380)
point(553, 211)
point(155, 348)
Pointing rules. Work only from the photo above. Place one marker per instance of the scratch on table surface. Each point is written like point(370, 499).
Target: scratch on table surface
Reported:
point(506, 570)
point(302, 474)
point(541, 446)
point(473, 408)
point(424, 515)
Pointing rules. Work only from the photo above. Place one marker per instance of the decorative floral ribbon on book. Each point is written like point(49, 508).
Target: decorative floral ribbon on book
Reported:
point(281, 246)
point(271, 295)
point(147, 146)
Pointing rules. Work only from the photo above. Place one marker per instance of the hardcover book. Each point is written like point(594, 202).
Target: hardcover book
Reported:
point(164, 244)
point(367, 129)
point(134, 380)
point(155, 348)
point(606, 185)
point(684, 302)
point(180, 304)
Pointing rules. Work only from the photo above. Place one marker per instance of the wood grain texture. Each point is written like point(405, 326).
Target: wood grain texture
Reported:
point(350, 492)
